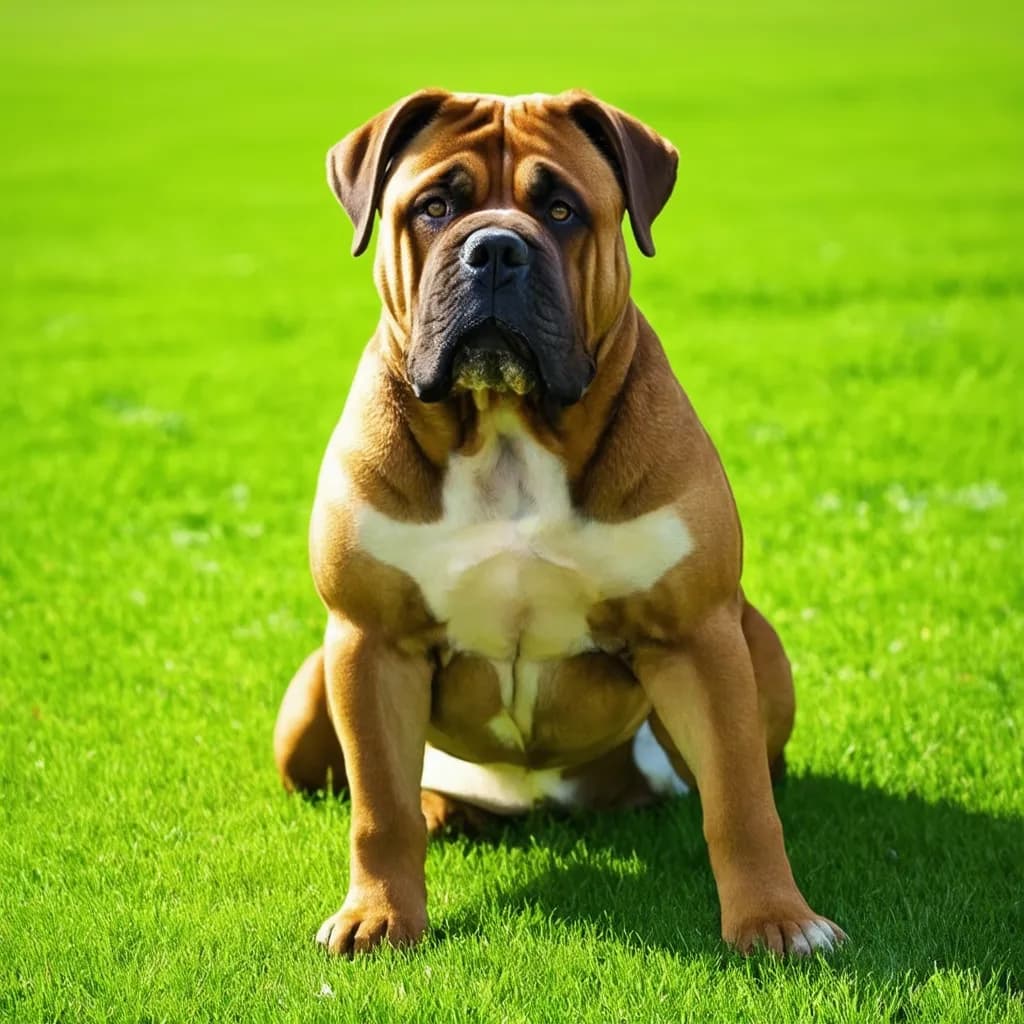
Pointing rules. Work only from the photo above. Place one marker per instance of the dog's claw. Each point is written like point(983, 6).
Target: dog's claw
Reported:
point(359, 930)
point(790, 938)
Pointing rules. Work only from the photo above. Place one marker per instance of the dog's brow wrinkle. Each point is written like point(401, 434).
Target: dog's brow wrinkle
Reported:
point(475, 120)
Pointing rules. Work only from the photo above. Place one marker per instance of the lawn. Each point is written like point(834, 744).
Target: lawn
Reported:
point(840, 286)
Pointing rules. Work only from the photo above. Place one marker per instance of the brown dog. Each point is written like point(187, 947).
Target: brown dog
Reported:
point(525, 541)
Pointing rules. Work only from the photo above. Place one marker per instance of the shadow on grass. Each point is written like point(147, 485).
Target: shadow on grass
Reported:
point(918, 886)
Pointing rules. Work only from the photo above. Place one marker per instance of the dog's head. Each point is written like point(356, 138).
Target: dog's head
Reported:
point(501, 263)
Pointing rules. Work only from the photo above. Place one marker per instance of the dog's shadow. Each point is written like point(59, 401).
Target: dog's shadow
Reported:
point(917, 885)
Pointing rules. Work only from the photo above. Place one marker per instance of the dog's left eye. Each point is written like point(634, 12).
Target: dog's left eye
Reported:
point(435, 208)
point(560, 212)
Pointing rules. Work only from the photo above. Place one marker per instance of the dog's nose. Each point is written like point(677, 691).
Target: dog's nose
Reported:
point(496, 251)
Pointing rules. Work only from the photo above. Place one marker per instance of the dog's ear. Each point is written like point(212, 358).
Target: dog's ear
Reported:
point(357, 166)
point(644, 162)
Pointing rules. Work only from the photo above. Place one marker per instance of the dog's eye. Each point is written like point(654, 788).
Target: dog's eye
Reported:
point(560, 212)
point(435, 208)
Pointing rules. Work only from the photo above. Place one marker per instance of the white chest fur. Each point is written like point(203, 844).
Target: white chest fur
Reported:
point(510, 567)
point(513, 570)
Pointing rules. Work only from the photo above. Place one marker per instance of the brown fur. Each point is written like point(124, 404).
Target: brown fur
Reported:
point(689, 652)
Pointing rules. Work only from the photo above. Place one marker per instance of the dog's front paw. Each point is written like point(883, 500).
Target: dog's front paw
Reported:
point(786, 935)
point(360, 926)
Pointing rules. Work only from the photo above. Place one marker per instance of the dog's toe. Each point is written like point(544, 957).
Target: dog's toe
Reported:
point(358, 929)
point(790, 938)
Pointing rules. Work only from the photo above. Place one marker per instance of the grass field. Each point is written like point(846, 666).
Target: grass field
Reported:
point(840, 286)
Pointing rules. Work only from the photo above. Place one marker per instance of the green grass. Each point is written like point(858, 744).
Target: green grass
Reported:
point(840, 286)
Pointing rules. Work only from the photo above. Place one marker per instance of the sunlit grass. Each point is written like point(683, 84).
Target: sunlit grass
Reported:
point(840, 286)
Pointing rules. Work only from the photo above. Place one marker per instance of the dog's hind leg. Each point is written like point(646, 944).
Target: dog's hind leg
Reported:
point(306, 747)
point(444, 813)
point(775, 696)
point(774, 686)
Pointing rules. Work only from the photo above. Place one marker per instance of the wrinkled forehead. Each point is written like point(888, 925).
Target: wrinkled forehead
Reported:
point(505, 149)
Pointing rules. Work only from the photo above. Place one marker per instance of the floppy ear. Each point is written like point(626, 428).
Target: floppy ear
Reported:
point(357, 165)
point(644, 162)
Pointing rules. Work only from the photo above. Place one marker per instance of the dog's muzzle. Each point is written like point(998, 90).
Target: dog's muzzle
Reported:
point(497, 318)
point(494, 355)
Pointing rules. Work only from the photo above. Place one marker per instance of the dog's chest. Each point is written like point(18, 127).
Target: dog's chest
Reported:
point(510, 568)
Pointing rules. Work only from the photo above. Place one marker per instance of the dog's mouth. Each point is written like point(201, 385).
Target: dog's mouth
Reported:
point(492, 356)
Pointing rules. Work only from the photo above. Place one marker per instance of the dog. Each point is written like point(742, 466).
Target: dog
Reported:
point(524, 539)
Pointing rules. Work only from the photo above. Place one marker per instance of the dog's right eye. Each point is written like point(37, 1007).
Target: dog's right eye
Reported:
point(435, 208)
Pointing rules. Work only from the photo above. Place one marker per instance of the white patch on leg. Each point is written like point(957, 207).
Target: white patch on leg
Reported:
point(653, 762)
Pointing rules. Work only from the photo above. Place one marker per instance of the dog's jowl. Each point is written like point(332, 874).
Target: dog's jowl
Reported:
point(524, 539)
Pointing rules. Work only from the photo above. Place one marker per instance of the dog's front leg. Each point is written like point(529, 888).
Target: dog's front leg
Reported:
point(379, 699)
point(705, 694)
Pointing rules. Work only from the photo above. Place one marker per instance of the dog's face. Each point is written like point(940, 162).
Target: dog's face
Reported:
point(501, 263)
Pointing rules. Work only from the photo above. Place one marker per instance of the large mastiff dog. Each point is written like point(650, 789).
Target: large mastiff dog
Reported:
point(525, 541)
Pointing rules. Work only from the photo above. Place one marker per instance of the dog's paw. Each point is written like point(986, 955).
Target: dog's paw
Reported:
point(358, 928)
point(446, 814)
point(798, 936)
